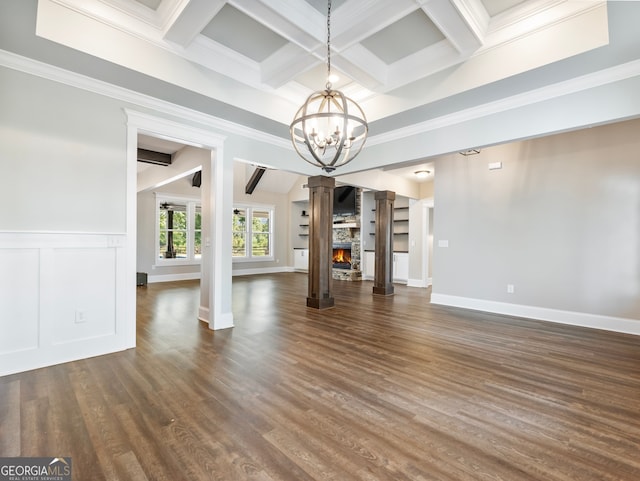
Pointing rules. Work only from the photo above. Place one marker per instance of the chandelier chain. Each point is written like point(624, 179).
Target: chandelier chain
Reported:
point(328, 45)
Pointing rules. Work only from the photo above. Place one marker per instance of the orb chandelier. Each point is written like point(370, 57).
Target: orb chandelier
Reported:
point(329, 129)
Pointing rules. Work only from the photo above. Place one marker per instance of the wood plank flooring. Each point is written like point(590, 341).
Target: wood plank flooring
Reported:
point(378, 388)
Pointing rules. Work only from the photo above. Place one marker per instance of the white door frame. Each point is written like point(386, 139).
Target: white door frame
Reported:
point(142, 123)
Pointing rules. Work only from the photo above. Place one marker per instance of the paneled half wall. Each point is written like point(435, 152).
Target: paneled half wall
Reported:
point(62, 298)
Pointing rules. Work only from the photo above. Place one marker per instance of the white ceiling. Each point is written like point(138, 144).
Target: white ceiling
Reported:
point(392, 56)
point(433, 76)
point(387, 53)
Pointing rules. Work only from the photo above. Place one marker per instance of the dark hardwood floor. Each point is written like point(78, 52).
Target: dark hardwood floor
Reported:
point(378, 388)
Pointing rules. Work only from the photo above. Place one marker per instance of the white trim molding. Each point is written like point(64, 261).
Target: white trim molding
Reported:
point(262, 270)
point(62, 298)
point(423, 283)
point(585, 82)
point(582, 319)
point(66, 77)
point(589, 81)
point(216, 265)
point(186, 276)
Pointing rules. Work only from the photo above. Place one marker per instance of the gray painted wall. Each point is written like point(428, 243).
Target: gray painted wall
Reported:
point(63, 228)
point(62, 157)
point(560, 222)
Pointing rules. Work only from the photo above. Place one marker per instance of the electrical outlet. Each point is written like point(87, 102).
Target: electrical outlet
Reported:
point(511, 289)
point(81, 316)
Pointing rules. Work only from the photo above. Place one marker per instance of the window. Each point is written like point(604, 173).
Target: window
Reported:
point(179, 230)
point(252, 233)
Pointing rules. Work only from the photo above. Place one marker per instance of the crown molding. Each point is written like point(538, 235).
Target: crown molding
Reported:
point(66, 77)
point(585, 82)
point(560, 89)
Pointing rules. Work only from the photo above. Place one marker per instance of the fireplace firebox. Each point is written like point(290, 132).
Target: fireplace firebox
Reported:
point(342, 256)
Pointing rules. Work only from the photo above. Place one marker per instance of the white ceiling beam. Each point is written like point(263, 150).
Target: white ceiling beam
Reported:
point(217, 57)
point(188, 24)
point(298, 22)
point(168, 11)
point(139, 21)
point(287, 63)
point(423, 63)
point(363, 67)
point(538, 15)
point(353, 22)
point(475, 15)
point(359, 75)
point(460, 24)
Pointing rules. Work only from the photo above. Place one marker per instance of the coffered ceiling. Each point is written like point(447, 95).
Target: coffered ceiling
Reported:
point(390, 55)
point(434, 77)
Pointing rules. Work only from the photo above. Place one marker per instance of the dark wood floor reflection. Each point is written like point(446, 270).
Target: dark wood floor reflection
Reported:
point(378, 388)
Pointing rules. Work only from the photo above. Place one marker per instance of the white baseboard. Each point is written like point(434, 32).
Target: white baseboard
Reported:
point(424, 283)
point(196, 275)
point(48, 356)
point(203, 314)
point(223, 321)
point(187, 276)
point(595, 321)
point(262, 270)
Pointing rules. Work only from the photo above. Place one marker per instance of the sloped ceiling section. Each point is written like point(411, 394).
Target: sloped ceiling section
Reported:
point(277, 48)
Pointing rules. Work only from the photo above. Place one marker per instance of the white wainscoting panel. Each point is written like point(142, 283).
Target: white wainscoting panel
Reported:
point(61, 298)
point(19, 300)
point(84, 294)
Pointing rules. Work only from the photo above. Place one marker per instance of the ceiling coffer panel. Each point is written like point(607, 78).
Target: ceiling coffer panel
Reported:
point(408, 35)
point(241, 33)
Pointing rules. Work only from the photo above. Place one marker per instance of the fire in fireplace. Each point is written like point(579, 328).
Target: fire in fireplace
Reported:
point(342, 257)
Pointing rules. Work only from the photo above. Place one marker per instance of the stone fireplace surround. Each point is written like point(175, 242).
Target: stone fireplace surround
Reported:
point(348, 237)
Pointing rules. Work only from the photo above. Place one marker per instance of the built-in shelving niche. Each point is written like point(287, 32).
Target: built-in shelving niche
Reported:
point(400, 222)
point(300, 223)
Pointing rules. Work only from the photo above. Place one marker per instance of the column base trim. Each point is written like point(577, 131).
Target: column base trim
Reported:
point(325, 303)
point(383, 291)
